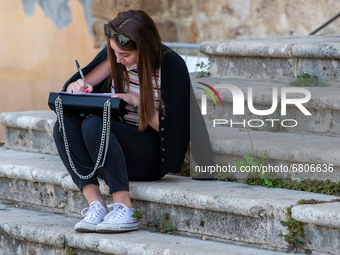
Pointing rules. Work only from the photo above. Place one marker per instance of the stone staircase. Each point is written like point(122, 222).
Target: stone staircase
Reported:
point(40, 203)
point(221, 213)
point(265, 64)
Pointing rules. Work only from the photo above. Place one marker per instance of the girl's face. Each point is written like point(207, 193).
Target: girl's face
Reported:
point(126, 58)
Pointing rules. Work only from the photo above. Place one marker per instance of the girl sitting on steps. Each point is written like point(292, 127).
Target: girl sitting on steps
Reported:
point(154, 136)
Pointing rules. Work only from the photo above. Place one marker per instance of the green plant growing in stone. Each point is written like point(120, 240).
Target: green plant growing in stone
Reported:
point(162, 224)
point(306, 80)
point(204, 69)
point(295, 228)
point(316, 186)
point(252, 162)
point(137, 215)
point(69, 251)
point(156, 223)
point(296, 233)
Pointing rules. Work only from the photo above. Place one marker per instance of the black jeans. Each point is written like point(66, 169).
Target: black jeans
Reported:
point(132, 155)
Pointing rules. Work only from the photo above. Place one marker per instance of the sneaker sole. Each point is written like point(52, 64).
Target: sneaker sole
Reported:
point(85, 227)
point(109, 228)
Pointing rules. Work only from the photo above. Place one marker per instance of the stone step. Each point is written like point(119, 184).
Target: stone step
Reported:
point(324, 105)
point(32, 130)
point(276, 58)
point(219, 211)
point(30, 232)
point(280, 148)
point(295, 156)
point(29, 131)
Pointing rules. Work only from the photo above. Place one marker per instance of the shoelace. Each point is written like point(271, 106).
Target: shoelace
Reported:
point(113, 216)
point(91, 213)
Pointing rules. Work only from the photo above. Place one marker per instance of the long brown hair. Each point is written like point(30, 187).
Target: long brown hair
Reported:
point(144, 37)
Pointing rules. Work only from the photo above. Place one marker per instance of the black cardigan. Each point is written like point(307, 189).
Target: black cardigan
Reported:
point(174, 126)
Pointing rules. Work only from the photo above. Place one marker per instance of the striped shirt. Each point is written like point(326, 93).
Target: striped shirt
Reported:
point(132, 117)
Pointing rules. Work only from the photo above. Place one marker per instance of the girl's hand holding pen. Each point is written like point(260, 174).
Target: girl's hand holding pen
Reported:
point(79, 86)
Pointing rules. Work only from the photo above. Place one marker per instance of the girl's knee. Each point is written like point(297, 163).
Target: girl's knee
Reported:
point(92, 127)
point(71, 124)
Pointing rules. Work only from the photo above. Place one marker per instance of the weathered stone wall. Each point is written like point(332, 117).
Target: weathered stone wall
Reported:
point(195, 21)
point(40, 39)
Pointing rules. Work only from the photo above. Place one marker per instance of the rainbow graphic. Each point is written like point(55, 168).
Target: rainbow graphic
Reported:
point(208, 92)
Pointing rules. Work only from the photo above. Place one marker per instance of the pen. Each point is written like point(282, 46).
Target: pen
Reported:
point(82, 75)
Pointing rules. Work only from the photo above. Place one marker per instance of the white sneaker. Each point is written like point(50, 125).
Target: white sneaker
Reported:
point(118, 220)
point(94, 215)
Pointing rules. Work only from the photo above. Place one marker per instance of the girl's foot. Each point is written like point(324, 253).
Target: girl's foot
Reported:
point(118, 220)
point(94, 215)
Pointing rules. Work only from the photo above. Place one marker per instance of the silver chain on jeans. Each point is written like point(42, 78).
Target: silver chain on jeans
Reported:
point(104, 138)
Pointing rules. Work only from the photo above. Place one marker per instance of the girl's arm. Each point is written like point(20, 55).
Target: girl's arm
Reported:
point(97, 75)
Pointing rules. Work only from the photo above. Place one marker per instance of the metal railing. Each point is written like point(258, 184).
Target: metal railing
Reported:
point(325, 24)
